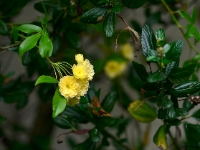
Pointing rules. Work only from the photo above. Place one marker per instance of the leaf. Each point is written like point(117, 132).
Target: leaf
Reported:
point(192, 31)
point(29, 28)
point(46, 79)
point(148, 39)
point(168, 113)
point(192, 132)
point(183, 89)
point(109, 101)
point(72, 39)
point(181, 112)
point(117, 8)
point(63, 122)
point(179, 75)
point(140, 70)
point(175, 50)
point(160, 37)
point(142, 112)
point(156, 77)
point(45, 46)
point(194, 15)
point(186, 16)
point(94, 15)
point(163, 102)
point(196, 115)
point(174, 122)
point(188, 105)
point(59, 103)
point(28, 56)
point(28, 43)
point(87, 145)
point(160, 138)
point(94, 135)
point(109, 24)
point(133, 4)
point(103, 122)
point(170, 67)
point(3, 28)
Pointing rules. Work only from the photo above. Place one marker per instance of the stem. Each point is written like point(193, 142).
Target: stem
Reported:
point(3, 49)
point(179, 26)
point(173, 140)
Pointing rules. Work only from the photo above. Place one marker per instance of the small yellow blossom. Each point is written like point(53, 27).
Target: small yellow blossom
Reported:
point(127, 51)
point(79, 58)
point(68, 86)
point(83, 70)
point(114, 68)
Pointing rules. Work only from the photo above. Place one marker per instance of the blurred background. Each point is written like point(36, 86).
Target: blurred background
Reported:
point(35, 117)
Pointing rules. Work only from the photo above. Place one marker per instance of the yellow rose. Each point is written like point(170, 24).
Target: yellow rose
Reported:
point(114, 68)
point(127, 51)
point(79, 58)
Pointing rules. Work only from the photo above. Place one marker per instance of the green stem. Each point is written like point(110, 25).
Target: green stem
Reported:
point(179, 26)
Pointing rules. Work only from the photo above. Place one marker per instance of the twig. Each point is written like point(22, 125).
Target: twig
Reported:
point(5, 48)
point(173, 140)
point(179, 26)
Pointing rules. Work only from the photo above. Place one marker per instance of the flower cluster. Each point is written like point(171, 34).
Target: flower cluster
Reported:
point(72, 87)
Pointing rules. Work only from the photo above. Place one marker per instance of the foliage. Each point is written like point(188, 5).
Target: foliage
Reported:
point(50, 47)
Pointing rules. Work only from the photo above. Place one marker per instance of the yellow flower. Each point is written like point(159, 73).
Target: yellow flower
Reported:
point(83, 70)
point(79, 58)
point(114, 68)
point(68, 86)
point(127, 51)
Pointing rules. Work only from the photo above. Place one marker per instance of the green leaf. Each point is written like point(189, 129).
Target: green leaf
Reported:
point(72, 39)
point(140, 70)
point(29, 56)
point(117, 8)
point(45, 46)
point(87, 145)
point(28, 43)
point(59, 103)
point(163, 102)
point(175, 50)
point(109, 24)
point(142, 112)
point(192, 31)
point(29, 28)
point(181, 112)
point(94, 15)
point(148, 39)
point(156, 77)
point(183, 89)
point(15, 34)
point(192, 134)
point(170, 67)
point(46, 79)
point(94, 135)
point(194, 15)
point(63, 122)
point(188, 105)
point(3, 28)
point(133, 4)
point(196, 115)
point(160, 37)
point(186, 16)
point(109, 101)
point(179, 75)
point(103, 122)
point(174, 122)
point(160, 138)
point(168, 113)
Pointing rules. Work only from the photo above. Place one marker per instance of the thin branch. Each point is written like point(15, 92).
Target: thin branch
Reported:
point(5, 48)
point(179, 26)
